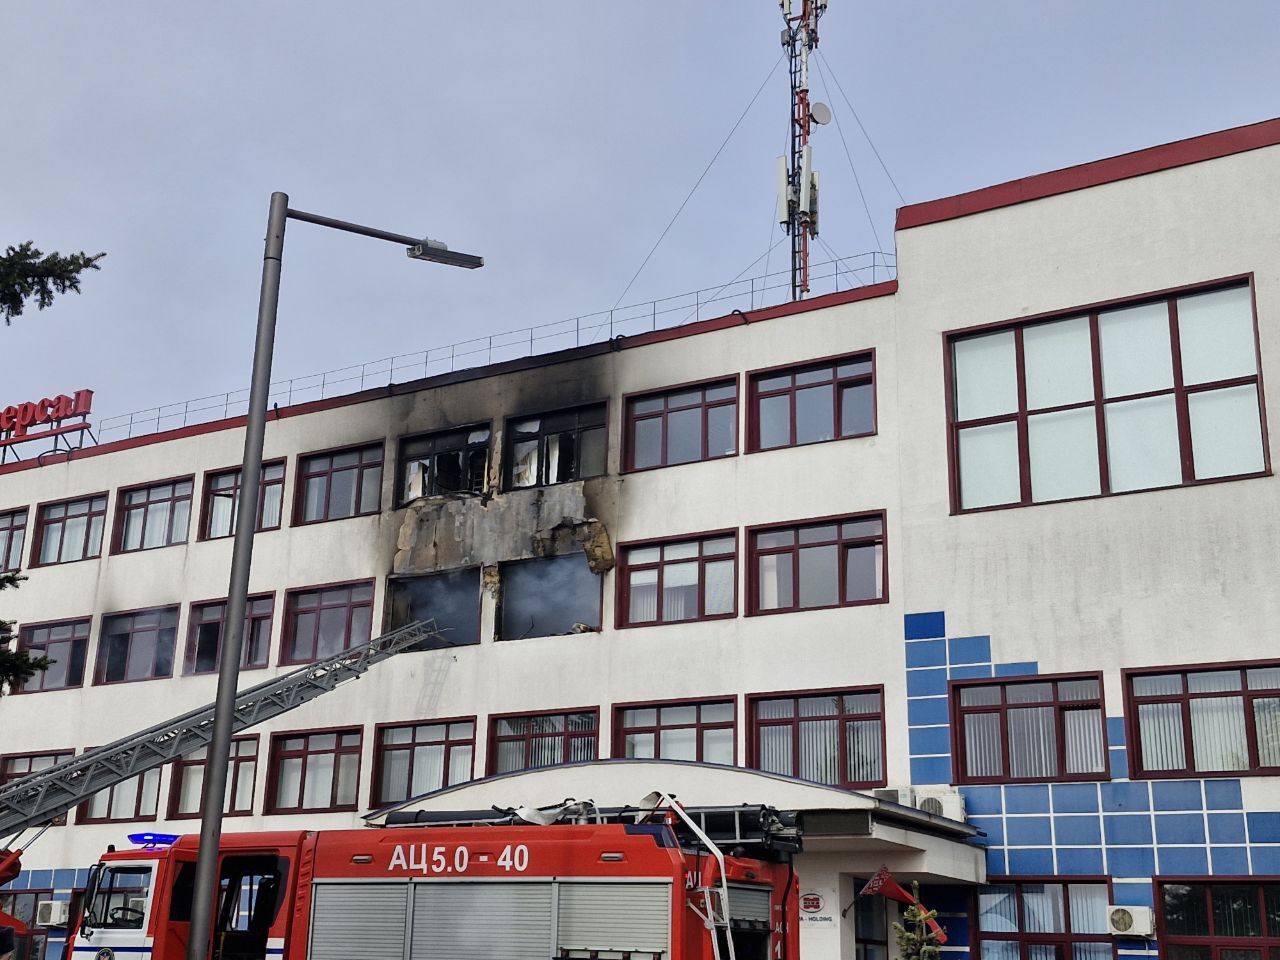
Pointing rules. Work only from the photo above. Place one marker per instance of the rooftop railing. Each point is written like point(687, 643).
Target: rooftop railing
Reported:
point(749, 293)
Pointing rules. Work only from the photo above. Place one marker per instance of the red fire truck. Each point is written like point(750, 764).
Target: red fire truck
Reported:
point(632, 886)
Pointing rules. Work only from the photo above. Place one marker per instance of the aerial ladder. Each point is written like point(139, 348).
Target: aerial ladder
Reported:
point(34, 801)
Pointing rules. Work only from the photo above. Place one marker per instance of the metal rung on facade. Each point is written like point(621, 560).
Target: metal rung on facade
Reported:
point(37, 799)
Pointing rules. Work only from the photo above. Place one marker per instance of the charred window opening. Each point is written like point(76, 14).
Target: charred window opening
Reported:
point(452, 600)
point(556, 447)
point(438, 464)
point(548, 597)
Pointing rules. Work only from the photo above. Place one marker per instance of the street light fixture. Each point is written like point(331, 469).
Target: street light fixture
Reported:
point(219, 753)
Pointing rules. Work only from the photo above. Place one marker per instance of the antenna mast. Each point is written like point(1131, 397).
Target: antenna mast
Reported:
point(797, 180)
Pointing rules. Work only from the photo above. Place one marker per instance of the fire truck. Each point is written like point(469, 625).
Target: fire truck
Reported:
point(644, 883)
point(569, 882)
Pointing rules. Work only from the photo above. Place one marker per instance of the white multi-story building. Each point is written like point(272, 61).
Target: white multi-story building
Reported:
point(866, 547)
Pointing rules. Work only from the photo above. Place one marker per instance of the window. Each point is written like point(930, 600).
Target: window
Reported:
point(135, 799)
point(153, 516)
point(13, 530)
point(15, 766)
point(1212, 720)
point(870, 926)
point(222, 501)
point(22, 905)
point(556, 447)
point(702, 732)
point(71, 530)
point(682, 426)
point(1041, 729)
point(1238, 920)
point(1044, 921)
point(417, 758)
point(454, 461)
point(137, 646)
point(832, 563)
point(835, 738)
point(680, 580)
point(187, 780)
point(542, 740)
point(315, 771)
point(452, 600)
point(112, 886)
point(1144, 396)
point(326, 621)
point(344, 483)
point(64, 643)
point(549, 597)
point(204, 635)
point(831, 400)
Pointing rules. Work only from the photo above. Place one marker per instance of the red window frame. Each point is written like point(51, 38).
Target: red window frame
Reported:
point(100, 671)
point(627, 565)
point(759, 387)
point(94, 510)
point(843, 544)
point(564, 734)
point(632, 402)
point(279, 753)
point(273, 475)
point(8, 773)
point(82, 810)
point(255, 650)
point(175, 494)
point(960, 772)
point(307, 600)
point(13, 535)
point(1179, 390)
point(34, 638)
point(699, 724)
point(1218, 945)
point(1065, 940)
point(370, 458)
point(450, 742)
point(243, 763)
point(1248, 694)
point(755, 723)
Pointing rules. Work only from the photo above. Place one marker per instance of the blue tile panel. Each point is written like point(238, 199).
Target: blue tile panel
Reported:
point(1130, 831)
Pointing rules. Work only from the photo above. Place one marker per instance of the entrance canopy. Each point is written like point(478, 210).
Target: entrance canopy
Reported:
point(854, 832)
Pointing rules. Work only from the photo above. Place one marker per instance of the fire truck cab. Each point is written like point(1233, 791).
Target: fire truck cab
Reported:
point(596, 891)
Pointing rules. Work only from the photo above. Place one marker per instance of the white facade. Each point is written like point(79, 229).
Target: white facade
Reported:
point(1156, 578)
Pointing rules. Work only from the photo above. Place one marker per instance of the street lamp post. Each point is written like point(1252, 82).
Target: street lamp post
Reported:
point(219, 751)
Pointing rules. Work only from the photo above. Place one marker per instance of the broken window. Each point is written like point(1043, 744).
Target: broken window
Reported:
point(548, 597)
point(451, 599)
point(455, 461)
point(557, 447)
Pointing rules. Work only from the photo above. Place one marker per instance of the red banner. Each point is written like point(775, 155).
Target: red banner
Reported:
point(883, 884)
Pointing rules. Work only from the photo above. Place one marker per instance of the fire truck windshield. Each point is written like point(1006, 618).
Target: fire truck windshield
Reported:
point(117, 897)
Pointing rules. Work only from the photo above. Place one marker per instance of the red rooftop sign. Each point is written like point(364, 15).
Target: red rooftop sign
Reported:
point(44, 417)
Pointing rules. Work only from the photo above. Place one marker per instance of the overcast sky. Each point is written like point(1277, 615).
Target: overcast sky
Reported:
point(555, 139)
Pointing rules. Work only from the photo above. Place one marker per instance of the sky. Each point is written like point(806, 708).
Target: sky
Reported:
point(556, 140)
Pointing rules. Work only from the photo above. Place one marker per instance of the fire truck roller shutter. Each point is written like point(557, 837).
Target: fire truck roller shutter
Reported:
point(365, 920)
point(615, 916)
point(749, 903)
point(481, 921)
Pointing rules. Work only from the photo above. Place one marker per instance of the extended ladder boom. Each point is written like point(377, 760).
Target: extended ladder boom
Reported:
point(37, 799)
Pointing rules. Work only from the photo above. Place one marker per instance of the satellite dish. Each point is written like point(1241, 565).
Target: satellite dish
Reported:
point(820, 113)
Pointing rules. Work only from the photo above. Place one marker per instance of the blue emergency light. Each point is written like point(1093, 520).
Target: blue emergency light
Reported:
point(153, 839)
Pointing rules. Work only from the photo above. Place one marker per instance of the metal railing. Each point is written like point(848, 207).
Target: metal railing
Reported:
point(749, 293)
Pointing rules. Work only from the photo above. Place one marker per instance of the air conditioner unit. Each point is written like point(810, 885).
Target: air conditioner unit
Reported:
point(941, 802)
point(52, 913)
point(1129, 921)
point(899, 795)
point(138, 904)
